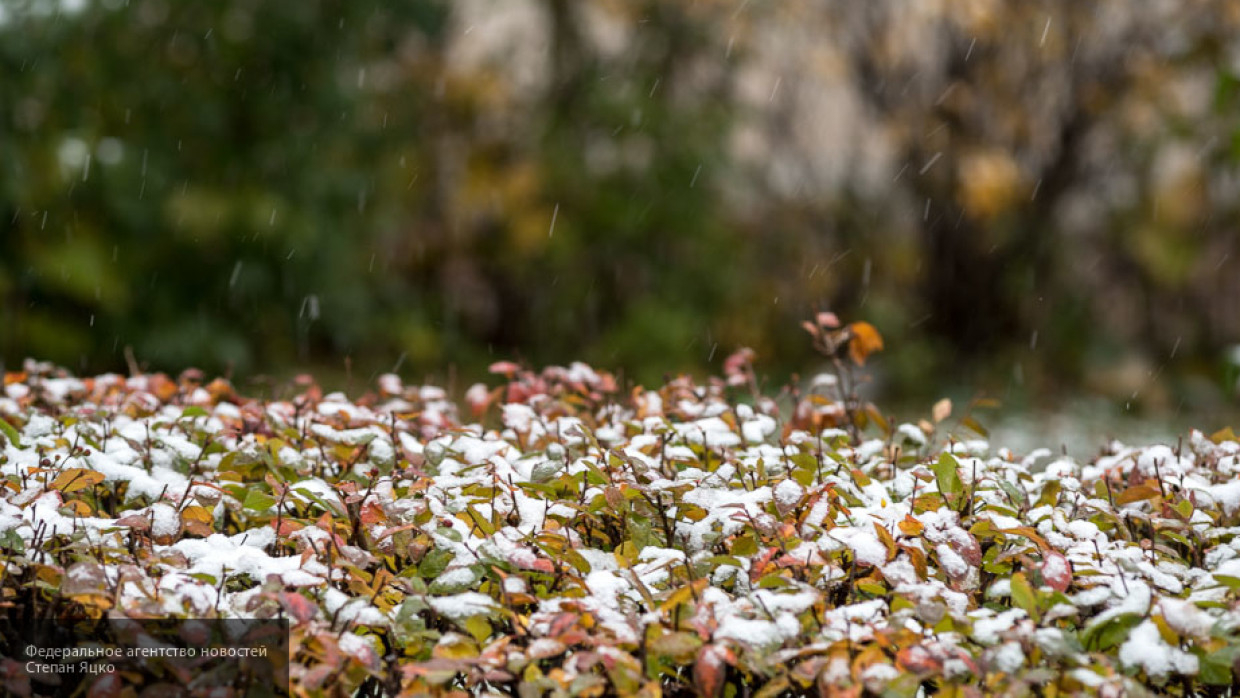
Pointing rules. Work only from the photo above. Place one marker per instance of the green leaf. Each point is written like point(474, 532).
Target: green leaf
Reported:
point(1024, 595)
point(481, 522)
point(946, 472)
point(1016, 493)
point(1109, 633)
point(194, 411)
point(479, 627)
point(435, 562)
point(873, 588)
point(744, 546)
point(10, 540)
point(578, 562)
point(258, 501)
point(1216, 666)
point(10, 433)
point(679, 646)
point(322, 503)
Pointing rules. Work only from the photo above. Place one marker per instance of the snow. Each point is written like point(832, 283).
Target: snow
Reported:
point(864, 544)
point(243, 553)
point(913, 434)
point(788, 493)
point(1008, 658)
point(1146, 649)
point(987, 631)
point(463, 605)
point(761, 633)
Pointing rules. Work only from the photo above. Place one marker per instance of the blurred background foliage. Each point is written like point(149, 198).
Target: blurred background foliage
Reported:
point(1029, 199)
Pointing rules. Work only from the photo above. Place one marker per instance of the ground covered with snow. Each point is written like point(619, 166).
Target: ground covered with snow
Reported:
point(556, 535)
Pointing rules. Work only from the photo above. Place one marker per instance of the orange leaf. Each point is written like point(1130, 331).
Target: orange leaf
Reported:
point(1136, 494)
point(74, 479)
point(372, 514)
point(910, 526)
point(865, 341)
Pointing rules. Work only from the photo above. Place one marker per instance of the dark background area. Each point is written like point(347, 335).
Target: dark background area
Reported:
point(1032, 200)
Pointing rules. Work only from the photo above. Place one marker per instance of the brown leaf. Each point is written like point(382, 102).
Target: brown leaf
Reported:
point(199, 528)
point(942, 410)
point(138, 522)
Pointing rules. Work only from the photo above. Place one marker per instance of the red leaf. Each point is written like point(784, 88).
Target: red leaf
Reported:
point(298, 606)
point(1056, 570)
point(478, 398)
point(969, 549)
point(561, 623)
point(16, 680)
point(918, 660)
point(739, 359)
point(106, 686)
point(507, 368)
point(709, 670)
point(827, 319)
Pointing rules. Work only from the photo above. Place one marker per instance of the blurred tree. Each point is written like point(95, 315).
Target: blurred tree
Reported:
point(1012, 192)
point(195, 180)
point(1063, 189)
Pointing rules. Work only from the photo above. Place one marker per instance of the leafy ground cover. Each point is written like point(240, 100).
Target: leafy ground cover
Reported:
point(557, 535)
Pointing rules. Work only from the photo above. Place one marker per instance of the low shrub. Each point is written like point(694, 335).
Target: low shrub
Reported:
point(556, 534)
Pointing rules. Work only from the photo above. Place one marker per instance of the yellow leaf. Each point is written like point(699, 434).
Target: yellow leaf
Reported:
point(682, 594)
point(942, 410)
point(865, 341)
point(455, 646)
point(197, 513)
point(74, 479)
